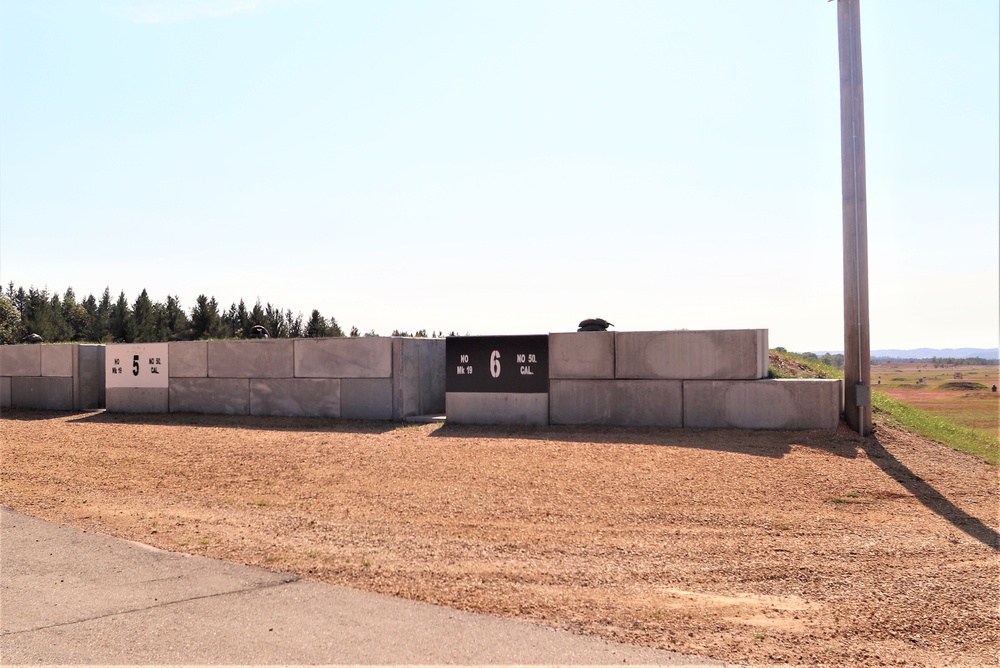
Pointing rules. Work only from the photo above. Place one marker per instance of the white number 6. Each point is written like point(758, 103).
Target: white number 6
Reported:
point(495, 364)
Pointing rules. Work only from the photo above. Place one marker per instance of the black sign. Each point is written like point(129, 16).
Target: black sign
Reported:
point(497, 364)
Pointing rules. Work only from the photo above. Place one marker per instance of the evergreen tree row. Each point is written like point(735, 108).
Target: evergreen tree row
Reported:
point(63, 318)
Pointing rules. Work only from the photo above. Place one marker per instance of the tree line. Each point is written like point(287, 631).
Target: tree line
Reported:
point(837, 360)
point(938, 362)
point(58, 318)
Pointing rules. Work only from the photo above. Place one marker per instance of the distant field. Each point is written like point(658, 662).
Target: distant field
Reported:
point(961, 394)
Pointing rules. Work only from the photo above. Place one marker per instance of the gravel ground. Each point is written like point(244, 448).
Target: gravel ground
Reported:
point(805, 548)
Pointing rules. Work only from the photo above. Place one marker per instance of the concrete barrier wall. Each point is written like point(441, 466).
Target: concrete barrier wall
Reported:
point(711, 379)
point(715, 378)
point(359, 378)
point(53, 377)
point(368, 378)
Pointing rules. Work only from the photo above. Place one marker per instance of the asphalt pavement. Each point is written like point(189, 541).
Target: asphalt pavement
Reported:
point(69, 596)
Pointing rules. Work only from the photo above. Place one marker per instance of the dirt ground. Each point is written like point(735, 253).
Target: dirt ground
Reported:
point(803, 548)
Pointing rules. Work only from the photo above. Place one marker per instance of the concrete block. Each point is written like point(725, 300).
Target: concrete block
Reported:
point(582, 355)
point(250, 359)
point(220, 396)
point(47, 393)
point(57, 360)
point(366, 398)
point(21, 360)
point(88, 385)
point(306, 397)
point(188, 359)
point(4, 391)
point(137, 399)
point(634, 403)
point(418, 373)
point(361, 357)
point(735, 354)
point(764, 404)
point(497, 408)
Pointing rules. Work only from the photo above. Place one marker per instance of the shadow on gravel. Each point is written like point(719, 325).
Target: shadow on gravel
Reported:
point(269, 423)
point(761, 443)
point(927, 495)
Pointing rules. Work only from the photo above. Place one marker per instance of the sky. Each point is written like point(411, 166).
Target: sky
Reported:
point(506, 167)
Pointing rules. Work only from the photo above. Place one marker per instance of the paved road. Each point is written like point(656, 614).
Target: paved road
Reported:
point(72, 597)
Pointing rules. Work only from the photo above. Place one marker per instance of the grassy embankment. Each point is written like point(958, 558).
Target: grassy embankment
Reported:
point(944, 421)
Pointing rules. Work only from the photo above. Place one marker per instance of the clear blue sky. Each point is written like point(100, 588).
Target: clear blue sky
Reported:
point(505, 167)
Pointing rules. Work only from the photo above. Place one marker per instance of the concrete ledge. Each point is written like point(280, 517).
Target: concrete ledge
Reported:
point(497, 408)
point(366, 398)
point(57, 360)
point(633, 403)
point(222, 396)
point(312, 397)
point(763, 404)
point(47, 393)
point(5, 392)
point(582, 355)
point(251, 359)
point(188, 359)
point(736, 354)
point(137, 400)
point(364, 357)
point(21, 360)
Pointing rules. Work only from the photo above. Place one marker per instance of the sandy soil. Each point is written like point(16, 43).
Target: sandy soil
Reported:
point(755, 547)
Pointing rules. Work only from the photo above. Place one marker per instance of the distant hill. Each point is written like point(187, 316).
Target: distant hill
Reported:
point(928, 353)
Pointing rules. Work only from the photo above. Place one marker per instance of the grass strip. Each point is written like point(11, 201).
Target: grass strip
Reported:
point(900, 414)
point(903, 415)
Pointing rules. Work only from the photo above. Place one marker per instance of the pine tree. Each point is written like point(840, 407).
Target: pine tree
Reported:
point(146, 330)
point(316, 327)
point(177, 325)
point(205, 319)
point(121, 324)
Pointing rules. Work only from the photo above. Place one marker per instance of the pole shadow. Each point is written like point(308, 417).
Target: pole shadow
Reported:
point(925, 493)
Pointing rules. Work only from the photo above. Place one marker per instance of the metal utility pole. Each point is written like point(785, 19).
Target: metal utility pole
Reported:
point(857, 348)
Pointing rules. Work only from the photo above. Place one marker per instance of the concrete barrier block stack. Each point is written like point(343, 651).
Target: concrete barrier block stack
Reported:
point(585, 388)
point(218, 377)
point(361, 366)
point(368, 378)
point(24, 361)
point(41, 377)
point(709, 379)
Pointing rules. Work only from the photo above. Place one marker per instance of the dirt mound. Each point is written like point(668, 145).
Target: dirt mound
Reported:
point(962, 386)
point(783, 366)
